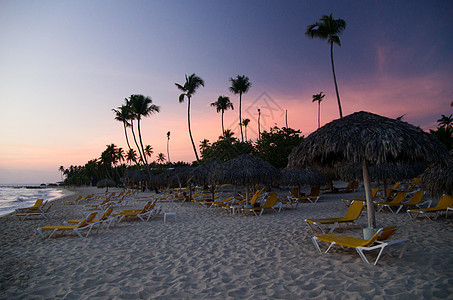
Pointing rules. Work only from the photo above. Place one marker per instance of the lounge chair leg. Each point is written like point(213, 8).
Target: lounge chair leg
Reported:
point(359, 251)
point(40, 233)
point(53, 231)
point(333, 227)
point(330, 246)
point(314, 240)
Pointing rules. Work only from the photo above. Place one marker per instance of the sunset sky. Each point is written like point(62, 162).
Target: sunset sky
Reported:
point(64, 65)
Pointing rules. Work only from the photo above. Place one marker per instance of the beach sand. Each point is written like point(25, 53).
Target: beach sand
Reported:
point(209, 254)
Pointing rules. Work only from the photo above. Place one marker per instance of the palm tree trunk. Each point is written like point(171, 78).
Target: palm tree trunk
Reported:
point(168, 150)
point(335, 80)
point(136, 143)
point(127, 139)
point(190, 131)
point(143, 149)
point(240, 115)
point(319, 114)
point(223, 129)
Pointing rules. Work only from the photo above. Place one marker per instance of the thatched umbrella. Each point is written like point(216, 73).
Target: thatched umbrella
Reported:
point(368, 139)
point(247, 169)
point(205, 174)
point(438, 179)
point(296, 176)
point(106, 183)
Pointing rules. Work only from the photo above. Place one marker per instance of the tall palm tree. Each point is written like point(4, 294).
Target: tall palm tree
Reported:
point(245, 123)
point(240, 85)
point(318, 97)
point(223, 103)
point(193, 82)
point(142, 106)
point(168, 149)
point(228, 134)
point(330, 29)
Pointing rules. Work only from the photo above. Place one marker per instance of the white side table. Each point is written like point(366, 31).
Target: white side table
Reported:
point(170, 214)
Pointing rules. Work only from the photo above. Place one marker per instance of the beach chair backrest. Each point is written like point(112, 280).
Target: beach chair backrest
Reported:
point(355, 185)
point(294, 192)
point(444, 202)
point(255, 196)
point(374, 237)
point(314, 192)
point(38, 203)
point(373, 193)
point(354, 210)
point(88, 220)
point(271, 200)
point(400, 196)
point(48, 208)
point(416, 198)
point(387, 232)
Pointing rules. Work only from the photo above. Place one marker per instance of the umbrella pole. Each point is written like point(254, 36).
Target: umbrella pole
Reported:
point(247, 193)
point(369, 198)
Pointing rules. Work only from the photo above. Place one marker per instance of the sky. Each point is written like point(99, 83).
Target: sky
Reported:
point(64, 66)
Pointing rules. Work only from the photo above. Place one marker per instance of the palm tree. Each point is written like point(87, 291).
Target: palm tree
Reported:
point(142, 106)
point(168, 149)
point(131, 156)
point(245, 123)
point(192, 83)
point(240, 85)
point(204, 144)
point(330, 29)
point(61, 169)
point(318, 97)
point(160, 158)
point(228, 134)
point(123, 114)
point(445, 121)
point(148, 151)
point(223, 103)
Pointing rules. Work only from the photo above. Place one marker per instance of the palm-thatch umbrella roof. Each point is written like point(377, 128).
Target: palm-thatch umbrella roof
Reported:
point(204, 173)
point(438, 179)
point(296, 176)
point(248, 169)
point(106, 183)
point(367, 138)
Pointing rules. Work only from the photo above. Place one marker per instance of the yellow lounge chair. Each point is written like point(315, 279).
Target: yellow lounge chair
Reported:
point(148, 211)
point(96, 206)
point(377, 241)
point(351, 187)
point(85, 224)
point(271, 203)
point(105, 218)
point(399, 198)
point(38, 206)
point(444, 202)
point(416, 200)
point(47, 214)
point(238, 205)
point(353, 213)
point(313, 197)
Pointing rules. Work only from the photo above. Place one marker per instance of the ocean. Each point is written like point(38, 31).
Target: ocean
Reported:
point(17, 196)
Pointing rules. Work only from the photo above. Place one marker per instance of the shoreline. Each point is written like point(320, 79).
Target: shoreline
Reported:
point(208, 254)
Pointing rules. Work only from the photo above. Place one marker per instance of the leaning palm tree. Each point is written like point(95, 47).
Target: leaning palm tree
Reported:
point(190, 86)
point(123, 114)
point(223, 103)
point(240, 85)
point(318, 97)
point(330, 29)
point(245, 123)
point(168, 149)
point(142, 106)
point(148, 151)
